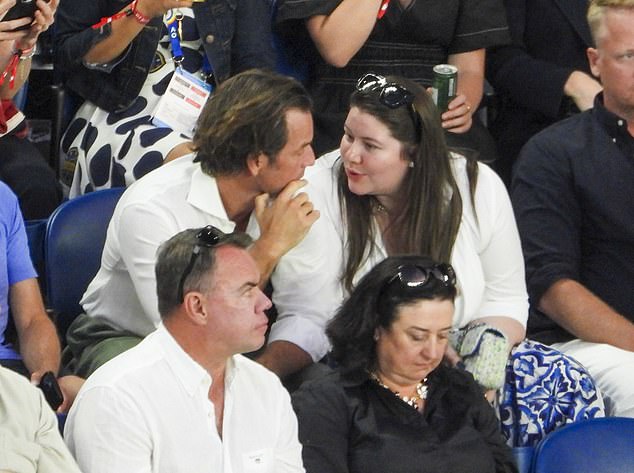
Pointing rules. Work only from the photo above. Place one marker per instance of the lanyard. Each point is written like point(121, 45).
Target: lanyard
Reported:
point(174, 20)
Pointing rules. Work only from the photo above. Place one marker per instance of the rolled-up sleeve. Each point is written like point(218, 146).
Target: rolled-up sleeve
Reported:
point(306, 282)
point(500, 251)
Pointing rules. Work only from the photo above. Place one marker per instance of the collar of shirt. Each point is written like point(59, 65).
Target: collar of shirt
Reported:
point(190, 374)
point(615, 126)
point(204, 195)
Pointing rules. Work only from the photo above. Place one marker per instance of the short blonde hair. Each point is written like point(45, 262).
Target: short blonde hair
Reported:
point(598, 9)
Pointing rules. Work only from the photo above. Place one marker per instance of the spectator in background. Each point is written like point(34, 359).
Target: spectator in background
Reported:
point(29, 434)
point(20, 299)
point(184, 400)
point(573, 193)
point(119, 59)
point(22, 167)
point(541, 77)
point(398, 37)
point(252, 146)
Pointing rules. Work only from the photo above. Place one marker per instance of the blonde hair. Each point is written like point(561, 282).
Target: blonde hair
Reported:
point(597, 11)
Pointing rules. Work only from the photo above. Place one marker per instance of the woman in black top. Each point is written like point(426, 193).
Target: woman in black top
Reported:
point(393, 405)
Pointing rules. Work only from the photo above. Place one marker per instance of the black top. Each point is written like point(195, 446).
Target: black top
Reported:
point(573, 195)
point(407, 43)
point(549, 42)
point(349, 424)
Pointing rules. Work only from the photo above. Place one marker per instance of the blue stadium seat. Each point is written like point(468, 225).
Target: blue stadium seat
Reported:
point(75, 235)
point(600, 445)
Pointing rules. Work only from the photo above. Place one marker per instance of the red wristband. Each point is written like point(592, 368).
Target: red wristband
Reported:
point(140, 17)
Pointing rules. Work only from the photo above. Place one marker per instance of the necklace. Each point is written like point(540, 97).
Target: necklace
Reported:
point(421, 391)
point(379, 207)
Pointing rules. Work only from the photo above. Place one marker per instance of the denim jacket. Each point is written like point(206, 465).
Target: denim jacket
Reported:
point(236, 35)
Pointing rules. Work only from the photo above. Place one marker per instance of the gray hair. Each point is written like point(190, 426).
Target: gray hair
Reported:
point(174, 256)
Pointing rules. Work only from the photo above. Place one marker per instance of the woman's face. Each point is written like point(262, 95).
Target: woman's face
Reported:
point(373, 159)
point(414, 345)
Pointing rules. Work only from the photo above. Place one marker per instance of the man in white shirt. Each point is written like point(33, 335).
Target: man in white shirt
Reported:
point(184, 399)
point(30, 441)
point(252, 145)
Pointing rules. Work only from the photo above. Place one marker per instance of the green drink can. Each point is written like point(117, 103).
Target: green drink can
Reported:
point(444, 85)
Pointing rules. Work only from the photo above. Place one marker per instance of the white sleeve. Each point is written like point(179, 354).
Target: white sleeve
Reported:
point(141, 230)
point(306, 281)
point(288, 450)
point(107, 434)
point(500, 251)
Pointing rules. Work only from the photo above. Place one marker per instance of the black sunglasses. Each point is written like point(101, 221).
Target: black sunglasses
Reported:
point(412, 275)
point(391, 94)
point(207, 237)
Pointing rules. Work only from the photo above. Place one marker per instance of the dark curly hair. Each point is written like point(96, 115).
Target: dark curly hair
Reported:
point(374, 303)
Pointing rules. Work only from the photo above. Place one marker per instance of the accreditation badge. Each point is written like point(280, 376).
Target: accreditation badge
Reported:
point(182, 103)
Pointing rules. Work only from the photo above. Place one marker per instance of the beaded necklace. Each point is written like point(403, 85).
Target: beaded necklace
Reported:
point(421, 391)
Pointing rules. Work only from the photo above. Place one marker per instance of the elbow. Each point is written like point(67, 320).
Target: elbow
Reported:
point(335, 58)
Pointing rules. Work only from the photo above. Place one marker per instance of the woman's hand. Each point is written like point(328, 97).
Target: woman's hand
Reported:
point(152, 8)
point(43, 18)
point(6, 27)
point(459, 116)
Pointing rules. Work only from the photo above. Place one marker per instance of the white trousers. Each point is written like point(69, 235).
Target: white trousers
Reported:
point(613, 372)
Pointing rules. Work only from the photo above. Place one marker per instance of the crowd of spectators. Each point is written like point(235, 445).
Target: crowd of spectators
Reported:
point(426, 260)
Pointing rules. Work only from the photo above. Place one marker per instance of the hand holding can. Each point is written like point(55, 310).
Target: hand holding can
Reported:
point(444, 85)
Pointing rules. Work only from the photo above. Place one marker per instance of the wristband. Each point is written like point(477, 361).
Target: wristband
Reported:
point(140, 17)
point(129, 11)
point(24, 54)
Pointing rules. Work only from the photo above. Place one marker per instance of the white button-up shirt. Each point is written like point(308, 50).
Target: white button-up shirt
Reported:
point(170, 199)
point(148, 410)
point(486, 256)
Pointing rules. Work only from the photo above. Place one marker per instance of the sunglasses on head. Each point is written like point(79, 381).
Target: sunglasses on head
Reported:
point(413, 275)
point(207, 237)
point(391, 94)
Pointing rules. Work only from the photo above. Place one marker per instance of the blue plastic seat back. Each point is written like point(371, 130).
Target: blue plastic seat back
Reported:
point(75, 236)
point(603, 445)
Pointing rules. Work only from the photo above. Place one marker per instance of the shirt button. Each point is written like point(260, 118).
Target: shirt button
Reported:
point(209, 39)
point(620, 122)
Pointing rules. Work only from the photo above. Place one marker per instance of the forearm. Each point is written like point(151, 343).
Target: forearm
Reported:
point(340, 35)
point(124, 31)
point(266, 256)
point(515, 332)
point(284, 358)
point(470, 75)
point(585, 315)
point(39, 346)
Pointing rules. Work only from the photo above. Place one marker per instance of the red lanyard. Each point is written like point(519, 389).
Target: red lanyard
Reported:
point(383, 9)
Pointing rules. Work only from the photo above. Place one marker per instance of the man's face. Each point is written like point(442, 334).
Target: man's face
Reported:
point(293, 158)
point(613, 61)
point(236, 302)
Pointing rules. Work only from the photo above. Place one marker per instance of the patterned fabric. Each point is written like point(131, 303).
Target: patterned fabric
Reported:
point(115, 149)
point(544, 390)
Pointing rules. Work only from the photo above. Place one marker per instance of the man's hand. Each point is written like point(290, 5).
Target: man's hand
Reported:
point(285, 221)
point(582, 88)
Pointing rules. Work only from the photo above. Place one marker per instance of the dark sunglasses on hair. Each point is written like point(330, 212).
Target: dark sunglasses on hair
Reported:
point(411, 275)
point(391, 94)
point(207, 237)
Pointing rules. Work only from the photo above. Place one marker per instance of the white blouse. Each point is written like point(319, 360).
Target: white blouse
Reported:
point(487, 258)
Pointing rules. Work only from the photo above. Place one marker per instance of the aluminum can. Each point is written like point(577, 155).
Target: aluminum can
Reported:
point(444, 85)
